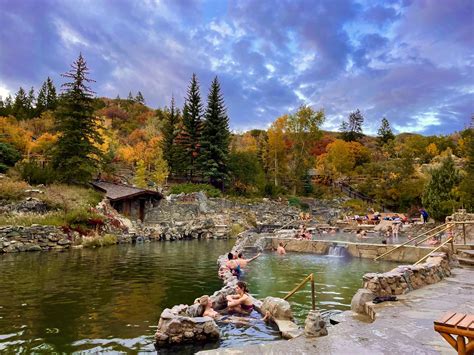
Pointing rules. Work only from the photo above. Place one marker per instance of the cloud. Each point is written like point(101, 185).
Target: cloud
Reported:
point(410, 61)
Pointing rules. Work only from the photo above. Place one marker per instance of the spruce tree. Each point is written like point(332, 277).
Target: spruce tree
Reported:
point(130, 96)
point(20, 105)
point(215, 135)
point(192, 124)
point(76, 155)
point(47, 98)
point(352, 129)
point(31, 103)
point(8, 109)
point(170, 132)
point(385, 133)
point(2, 107)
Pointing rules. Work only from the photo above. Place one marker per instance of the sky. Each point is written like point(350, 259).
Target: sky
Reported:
point(409, 61)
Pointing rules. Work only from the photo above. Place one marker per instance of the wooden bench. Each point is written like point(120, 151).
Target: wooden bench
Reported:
point(458, 324)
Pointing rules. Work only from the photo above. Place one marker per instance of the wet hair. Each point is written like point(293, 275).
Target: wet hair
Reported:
point(243, 286)
point(240, 255)
point(230, 256)
point(204, 300)
point(280, 244)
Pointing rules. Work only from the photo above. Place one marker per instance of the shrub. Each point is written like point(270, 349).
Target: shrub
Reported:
point(35, 174)
point(187, 188)
point(294, 201)
point(12, 190)
point(98, 241)
point(8, 154)
point(236, 229)
point(3, 168)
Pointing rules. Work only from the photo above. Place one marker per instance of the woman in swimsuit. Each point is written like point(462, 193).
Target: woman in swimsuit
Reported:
point(233, 265)
point(240, 302)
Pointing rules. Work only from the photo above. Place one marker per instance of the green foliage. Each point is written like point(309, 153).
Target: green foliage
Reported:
point(214, 150)
point(187, 188)
point(190, 136)
point(3, 168)
point(270, 190)
point(47, 98)
point(356, 206)
point(385, 133)
point(236, 229)
point(36, 174)
point(8, 154)
point(99, 241)
point(21, 105)
point(438, 197)
point(352, 129)
point(76, 157)
point(12, 190)
point(247, 175)
point(172, 152)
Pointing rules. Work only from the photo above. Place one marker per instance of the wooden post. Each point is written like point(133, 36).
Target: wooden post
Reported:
point(313, 300)
point(464, 232)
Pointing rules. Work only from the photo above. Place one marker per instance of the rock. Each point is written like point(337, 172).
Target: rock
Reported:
point(34, 247)
point(314, 325)
point(359, 300)
point(278, 308)
point(64, 242)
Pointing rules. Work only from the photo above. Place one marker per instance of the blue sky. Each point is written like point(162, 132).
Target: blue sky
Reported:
point(410, 61)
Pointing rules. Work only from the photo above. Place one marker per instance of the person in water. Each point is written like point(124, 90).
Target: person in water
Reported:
point(241, 301)
point(281, 249)
point(233, 265)
point(243, 262)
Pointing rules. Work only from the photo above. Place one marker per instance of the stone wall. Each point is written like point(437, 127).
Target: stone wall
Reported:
point(34, 238)
point(459, 230)
point(405, 254)
point(400, 280)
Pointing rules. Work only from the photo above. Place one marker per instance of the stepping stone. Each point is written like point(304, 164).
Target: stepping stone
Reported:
point(288, 329)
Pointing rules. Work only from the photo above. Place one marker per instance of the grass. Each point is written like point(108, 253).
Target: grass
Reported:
point(236, 229)
point(98, 241)
point(187, 188)
point(12, 190)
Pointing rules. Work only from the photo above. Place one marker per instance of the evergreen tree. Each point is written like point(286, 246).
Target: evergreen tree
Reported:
point(47, 98)
point(385, 133)
point(130, 96)
point(215, 138)
point(438, 196)
point(20, 106)
point(192, 124)
point(2, 107)
point(352, 129)
point(139, 98)
point(8, 110)
point(76, 155)
point(118, 97)
point(31, 103)
point(169, 142)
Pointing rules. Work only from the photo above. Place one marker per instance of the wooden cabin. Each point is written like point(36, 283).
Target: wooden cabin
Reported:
point(130, 201)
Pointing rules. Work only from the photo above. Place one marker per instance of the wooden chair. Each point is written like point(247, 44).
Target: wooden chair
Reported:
point(462, 325)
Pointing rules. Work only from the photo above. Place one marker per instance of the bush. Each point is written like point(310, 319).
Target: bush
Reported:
point(12, 190)
point(35, 174)
point(236, 229)
point(98, 241)
point(270, 190)
point(294, 201)
point(3, 168)
point(8, 154)
point(187, 188)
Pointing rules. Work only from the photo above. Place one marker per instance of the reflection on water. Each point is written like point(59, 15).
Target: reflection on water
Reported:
point(336, 279)
point(109, 298)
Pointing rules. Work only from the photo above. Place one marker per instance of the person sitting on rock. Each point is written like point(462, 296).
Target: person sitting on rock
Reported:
point(233, 265)
point(206, 302)
point(241, 301)
point(243, 262)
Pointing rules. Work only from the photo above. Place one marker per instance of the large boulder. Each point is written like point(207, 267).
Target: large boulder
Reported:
point(359, 300)
point(277, 307)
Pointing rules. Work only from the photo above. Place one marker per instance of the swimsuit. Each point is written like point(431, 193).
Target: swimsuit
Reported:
point(247, 308)
point(237, 272)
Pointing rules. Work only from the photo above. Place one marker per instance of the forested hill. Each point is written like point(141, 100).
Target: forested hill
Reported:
point(193, 143)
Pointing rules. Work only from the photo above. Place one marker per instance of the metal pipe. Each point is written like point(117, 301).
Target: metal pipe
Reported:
point(407, 242)
point(431, 252)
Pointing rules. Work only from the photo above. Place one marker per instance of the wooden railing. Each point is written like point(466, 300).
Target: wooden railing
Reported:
point(449, 240)
point(310, 278)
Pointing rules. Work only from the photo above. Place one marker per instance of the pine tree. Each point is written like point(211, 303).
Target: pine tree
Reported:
point(215, 135)
point(352, 129)
point(385, 133)
point(170, 132)
point(130, 96)
point(139, 98)
point(31, 103)
point(20, 105)
point(2, 107)
point(438, 196)
point(8, 105)
point(47, 98)
point(76, 155)
point(192, 114)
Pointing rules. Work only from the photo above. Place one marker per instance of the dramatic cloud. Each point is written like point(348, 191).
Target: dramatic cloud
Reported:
point(409, 61)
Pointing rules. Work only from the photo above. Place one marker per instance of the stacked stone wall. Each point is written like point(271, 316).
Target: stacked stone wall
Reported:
point(34, 238)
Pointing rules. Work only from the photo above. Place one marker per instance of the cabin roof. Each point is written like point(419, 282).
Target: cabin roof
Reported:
point(115, 192)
